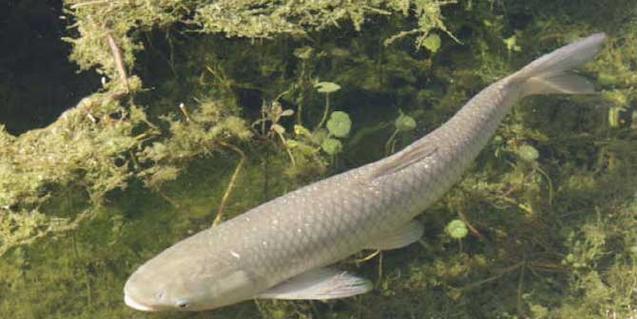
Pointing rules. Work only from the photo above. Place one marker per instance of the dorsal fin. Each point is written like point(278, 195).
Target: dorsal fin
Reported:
point(561, 83)
point(405, 158)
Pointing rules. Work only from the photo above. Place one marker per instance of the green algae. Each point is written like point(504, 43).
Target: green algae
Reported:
point(457, 229)
point(128, 172)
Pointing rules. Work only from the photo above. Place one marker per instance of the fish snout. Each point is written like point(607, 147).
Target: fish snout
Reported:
point(136, 297)
point(131, 302)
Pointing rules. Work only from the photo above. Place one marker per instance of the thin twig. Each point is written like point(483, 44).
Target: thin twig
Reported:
point(231, 184)
point(520, 289)
point(287, 149)
point(88, 3)
point(380, 267)
point(390, 146)
point(548, 181)
point(325, 112)
point(472, 229)
point(518, 204)
point(492, 278)
point(119, 62)
point(168, 199)
point(184, 111)
point(368, 257)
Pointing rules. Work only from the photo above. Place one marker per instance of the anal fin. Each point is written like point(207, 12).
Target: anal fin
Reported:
point(398, 238)
point(319, 284)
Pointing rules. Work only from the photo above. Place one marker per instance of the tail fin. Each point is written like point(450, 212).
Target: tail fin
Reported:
point(550, 74)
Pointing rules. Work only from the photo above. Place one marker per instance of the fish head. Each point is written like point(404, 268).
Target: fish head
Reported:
point(188, 278)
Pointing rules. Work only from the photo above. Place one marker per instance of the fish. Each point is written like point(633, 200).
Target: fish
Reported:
point(286, 248)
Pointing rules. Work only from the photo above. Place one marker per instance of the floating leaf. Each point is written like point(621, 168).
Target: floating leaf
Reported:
point(432, 42)
point(528, 153)
point(327, 87)
point(613, 116)
point(278, 128)
point(607, 79)
point(319, 135)
point(300, 130)
point(304, 53)
point(287, 112)
point(512, 44)
point(291, 143)
point(332, 146)
point(457, 229)
point(405, 123)
point(339, 124)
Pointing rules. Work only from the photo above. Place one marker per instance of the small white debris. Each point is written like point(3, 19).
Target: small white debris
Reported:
point(235, 254)
point(91, 117)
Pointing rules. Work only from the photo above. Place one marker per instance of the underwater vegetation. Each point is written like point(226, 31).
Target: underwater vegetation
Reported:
point(207, 109)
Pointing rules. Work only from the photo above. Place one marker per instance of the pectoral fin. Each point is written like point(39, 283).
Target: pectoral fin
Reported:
point(399, 237)
point(319, 284)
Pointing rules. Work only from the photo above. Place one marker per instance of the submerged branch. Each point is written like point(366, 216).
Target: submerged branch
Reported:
point(231, 184)
point(119, 62)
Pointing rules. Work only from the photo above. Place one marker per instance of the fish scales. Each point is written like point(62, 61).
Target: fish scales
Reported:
point(329, 221)
point(322, 223)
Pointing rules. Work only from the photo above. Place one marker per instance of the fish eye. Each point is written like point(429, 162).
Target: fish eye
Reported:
point(182, 304)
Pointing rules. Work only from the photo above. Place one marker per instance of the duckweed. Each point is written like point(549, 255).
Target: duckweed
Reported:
point(528, 153)
point(405, 123)
point(339, 124)
point(457, 229)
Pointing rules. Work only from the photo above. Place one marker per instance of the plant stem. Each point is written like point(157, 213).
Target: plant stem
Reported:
point(325, 112)
point(231, 184)
point(388, 146)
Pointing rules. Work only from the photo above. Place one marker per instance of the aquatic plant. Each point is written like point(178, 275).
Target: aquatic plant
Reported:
point(457, 229)
point(404, 123)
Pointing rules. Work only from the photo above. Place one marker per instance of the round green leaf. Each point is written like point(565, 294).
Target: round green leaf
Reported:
point(278, 128)
point(327, 87)
point(606, 79)
point(304, 53)
point(291, 143)
point(528, 153)
point(432, 42)
point(287, 112)
point(457, 229)
point(512, 44)
point(405, 123)
point(332, 146)
point(339, 124)
point(300, 130)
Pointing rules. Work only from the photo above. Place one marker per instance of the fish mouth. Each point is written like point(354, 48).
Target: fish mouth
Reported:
point(137, 305)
